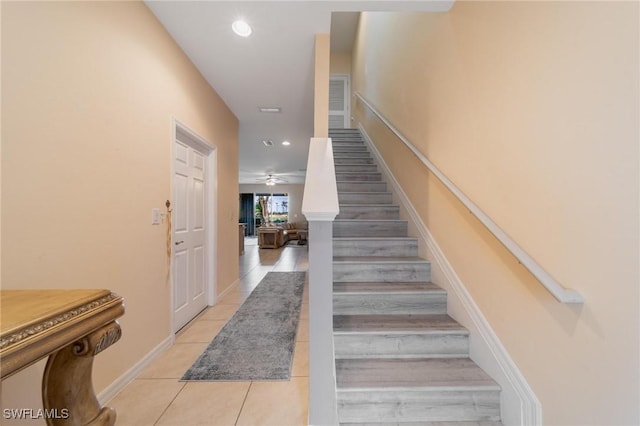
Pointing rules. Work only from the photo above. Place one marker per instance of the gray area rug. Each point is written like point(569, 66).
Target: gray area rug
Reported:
point(258, 341)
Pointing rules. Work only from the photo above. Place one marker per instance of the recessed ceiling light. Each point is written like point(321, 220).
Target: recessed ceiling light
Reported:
point(286, 143)
point(241, 28)
point(267, 142)
point(270, 109)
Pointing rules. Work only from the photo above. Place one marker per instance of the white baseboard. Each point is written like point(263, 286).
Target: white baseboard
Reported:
point(519, 404)
point(119, 384)
point(227, 291)
point(112, 390)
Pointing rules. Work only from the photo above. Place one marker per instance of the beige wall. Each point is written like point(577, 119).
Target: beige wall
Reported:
point(89, 91)
point(321, 87)
point(340, 63)
point(531, 108)
point(295, 192)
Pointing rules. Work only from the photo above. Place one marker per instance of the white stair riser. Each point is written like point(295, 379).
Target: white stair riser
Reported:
point(347, 142)
point(418, 406)
point(353, 160)
point(393, 345)
point(375, 247)
point(346, 149)
point(365, 168)
point(361, 154)
point(381, 272)
point(349, 146)
point(361, 186)
point(365, 198)
point(358, 177)
point(369, 229)
point(387, 304)
point(366, 212)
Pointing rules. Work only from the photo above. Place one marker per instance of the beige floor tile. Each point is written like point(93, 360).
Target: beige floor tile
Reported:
point(276, 403)
point(200, 331)
point(303, 331)
point(219, 403)
point(247, 285)
point(173, 363)
point(143, 401)
point(220, 312)
point(206, 403)
point(302, 265)
point(269, 257)
point(285, 266)
point(253, 277)
point(300, 367)
point(235, 297)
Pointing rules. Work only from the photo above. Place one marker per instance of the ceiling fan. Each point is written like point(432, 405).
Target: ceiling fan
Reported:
point(271, 180)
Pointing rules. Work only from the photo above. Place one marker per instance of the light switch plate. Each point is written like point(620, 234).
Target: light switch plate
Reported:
point(155, 216)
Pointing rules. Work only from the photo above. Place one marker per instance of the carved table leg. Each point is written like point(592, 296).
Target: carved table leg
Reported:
point(67, 387)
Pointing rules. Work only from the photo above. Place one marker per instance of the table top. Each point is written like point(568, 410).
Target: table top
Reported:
point(35, 323)
point(269, 229)
point(23, 308)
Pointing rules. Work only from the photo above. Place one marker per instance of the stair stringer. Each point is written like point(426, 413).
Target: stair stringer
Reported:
point(519, 404)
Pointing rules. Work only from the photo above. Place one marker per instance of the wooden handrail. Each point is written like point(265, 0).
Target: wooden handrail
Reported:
point(562, 294)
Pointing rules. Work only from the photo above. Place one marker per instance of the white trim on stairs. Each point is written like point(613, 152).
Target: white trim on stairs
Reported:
point(519, 404)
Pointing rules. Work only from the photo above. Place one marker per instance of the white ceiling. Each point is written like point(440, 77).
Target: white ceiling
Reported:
point(272, 67)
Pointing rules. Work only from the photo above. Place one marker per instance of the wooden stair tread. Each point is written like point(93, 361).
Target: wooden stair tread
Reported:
point(371, 220)
point(370, 205)
point(375, 238)
point(400, 359)
point(388, 324)
point(380, 259)
point(440, 423)
point(363, 192)
point(411, 374)
point(385, 287)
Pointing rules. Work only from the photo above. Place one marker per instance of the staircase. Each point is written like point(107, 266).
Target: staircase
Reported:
point(399, 357)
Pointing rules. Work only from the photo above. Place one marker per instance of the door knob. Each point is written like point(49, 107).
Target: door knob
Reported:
point(179, 242)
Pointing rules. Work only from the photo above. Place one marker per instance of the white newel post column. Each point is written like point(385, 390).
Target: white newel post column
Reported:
point(320, 206)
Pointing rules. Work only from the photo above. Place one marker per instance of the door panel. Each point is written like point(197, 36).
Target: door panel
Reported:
point(181, 274)
point(198, 281)
point(339, 102)
point(198, 210)
point(189, 233)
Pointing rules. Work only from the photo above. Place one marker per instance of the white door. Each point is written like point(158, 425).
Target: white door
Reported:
point(189, 233)
point(339, 102)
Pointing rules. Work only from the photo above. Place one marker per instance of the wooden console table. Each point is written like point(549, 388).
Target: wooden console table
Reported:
point(70, 327)
point(269, 237)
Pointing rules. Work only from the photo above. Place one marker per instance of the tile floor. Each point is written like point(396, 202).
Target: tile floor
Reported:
point(157, 397)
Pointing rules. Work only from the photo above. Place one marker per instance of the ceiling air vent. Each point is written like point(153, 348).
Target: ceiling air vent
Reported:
point(268, 142)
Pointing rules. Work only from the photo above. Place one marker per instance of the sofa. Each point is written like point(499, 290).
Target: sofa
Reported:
point(275, 236)
point(293, 228)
